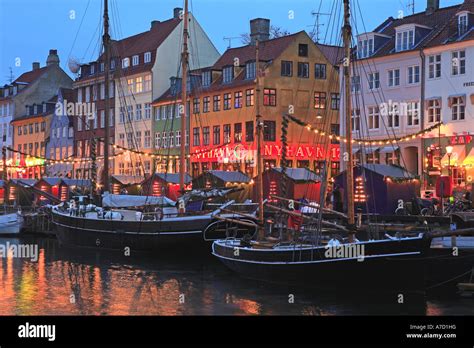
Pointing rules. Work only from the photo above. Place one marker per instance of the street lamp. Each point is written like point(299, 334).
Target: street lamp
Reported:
point(449, 152)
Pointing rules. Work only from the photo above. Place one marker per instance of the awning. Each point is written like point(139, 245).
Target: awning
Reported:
point(469, 160)
point(388, 149)
point(457, 157)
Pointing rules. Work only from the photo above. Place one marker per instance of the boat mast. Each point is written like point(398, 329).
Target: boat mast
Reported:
point(348, 120)
point(259, 128)
point(106, 43)
point(184, 97)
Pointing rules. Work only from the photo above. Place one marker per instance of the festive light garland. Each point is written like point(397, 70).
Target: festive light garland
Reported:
point(364, 141)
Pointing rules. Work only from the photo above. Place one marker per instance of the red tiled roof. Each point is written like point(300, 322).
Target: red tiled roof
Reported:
point(268, 50)
point(32, 75)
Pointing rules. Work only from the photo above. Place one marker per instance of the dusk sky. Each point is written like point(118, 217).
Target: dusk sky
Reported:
point(29, 28)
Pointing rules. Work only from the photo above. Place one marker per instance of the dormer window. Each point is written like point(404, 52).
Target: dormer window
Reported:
point(102, 67)
point(44, 107)
point(250, 70)
point(365, 48)
point(125, 63)
point(15, 90)
point(405, 40)
point(228, 74)
point(147, 57)
point(462, 23)
point(206, 78)
point(135, 60)
point(35, 109)
point(92, 69)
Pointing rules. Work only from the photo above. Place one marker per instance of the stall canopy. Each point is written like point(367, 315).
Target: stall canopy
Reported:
point(127, 179)
point(469, 160)
point(226, 179)
point(173, 178)
point(128, 201)
point(457, 156)
point(300, 174)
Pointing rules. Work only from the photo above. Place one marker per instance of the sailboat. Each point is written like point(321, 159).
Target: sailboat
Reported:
point(394, 262)
point(159, 223)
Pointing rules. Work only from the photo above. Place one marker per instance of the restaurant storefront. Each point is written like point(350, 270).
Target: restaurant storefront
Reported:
point(452, 156)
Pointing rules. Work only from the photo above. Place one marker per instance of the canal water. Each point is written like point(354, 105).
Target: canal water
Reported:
point(85, 282)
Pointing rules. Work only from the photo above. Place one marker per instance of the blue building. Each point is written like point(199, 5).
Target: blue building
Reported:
point(60, 144)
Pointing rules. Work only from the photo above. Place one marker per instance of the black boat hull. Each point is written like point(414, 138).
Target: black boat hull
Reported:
point(391, 265)
point(137, 236)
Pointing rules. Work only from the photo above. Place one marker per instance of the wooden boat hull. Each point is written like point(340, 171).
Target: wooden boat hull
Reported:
point(141, 236)
point(391, 265)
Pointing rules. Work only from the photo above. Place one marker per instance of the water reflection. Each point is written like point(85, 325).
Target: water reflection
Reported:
point(80, 282)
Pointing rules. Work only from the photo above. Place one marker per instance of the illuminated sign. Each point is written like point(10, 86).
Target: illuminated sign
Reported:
point(32, 162)
point(460, 139)
point(243, 153)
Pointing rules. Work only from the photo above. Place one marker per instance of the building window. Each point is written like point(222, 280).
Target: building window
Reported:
point(206, 101)
point(335, 101)
point(286, 68)
point(135, 60)
point(147, 139)
point(125, 63)
point(393, 118)
point(196, 106)
point(130, 85)
point(147, 85)
point(238, 99)
point(394, 78)
point(171, 139)
point(320, 71)
point(19, 130)
point(374, 81)
point(355, 118)
point(130, 113)
point(206, 78)
point(138, 138)
point(237, 132)
point(269, 130)
point(178, 138)
point(303, 70)
point(434, 66)
point(102, 91)
point(228, 74)
point(112, 64)
point(365, 48)
point(249, 131)
point(413, 75)
point(94, 92)
point(147, 57)
point(216, 106)
point(320, 100)
point(249, 97)
point(374, 117)
point(355, 84)
point(434, 111)
point(458, 63)
point(196, 137)
point(205, 136)
point(102, 119)
point(139, 85)
point(157, 140)
point(164, 139)
point(269, 97)
point(462, 24)
point(216, 135)
point(92, 69)
point(147, 111)
point(405, 40)
point(303, 50)
point(138, 112)
point(227, 133)
point(413, 114)
point(458, 108)
point(227, 101)
point(250, 70)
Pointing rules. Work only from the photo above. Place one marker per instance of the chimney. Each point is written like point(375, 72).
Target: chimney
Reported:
point(432, 6)
point(36, 65)
point(53, 58)
point(259, 30)
point(154, 24)
point(177, 12)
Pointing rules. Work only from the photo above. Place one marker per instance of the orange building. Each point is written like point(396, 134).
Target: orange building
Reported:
point(298, 77)
point(30, 133)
